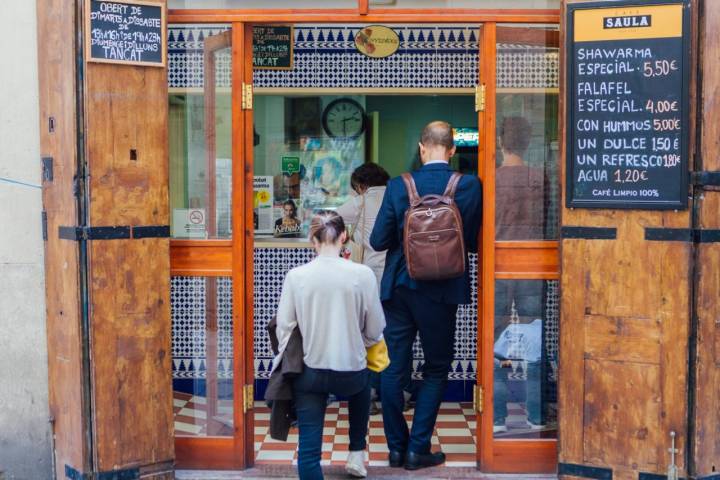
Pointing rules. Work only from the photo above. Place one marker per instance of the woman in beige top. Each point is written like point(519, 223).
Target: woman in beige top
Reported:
point(368, 181)
point(335, 304)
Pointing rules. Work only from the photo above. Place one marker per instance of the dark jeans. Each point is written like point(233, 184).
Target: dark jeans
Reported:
point(533, 395)
point(311, 391)
point(406, 314)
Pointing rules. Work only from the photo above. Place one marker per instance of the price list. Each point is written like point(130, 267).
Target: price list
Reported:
point(627, 109)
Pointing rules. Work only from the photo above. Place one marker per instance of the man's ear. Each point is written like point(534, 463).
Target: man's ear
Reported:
point(452, 151)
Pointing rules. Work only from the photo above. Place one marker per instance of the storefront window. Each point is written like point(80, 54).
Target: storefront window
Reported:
point(308, 146)
point(527, 314)
point(527, 193)
point(202, 351)
point(200, 131)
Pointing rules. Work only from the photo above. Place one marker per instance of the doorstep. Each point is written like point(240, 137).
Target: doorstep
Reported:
point(261, 472)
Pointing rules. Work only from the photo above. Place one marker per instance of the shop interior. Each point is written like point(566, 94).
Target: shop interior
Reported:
point(313, 124)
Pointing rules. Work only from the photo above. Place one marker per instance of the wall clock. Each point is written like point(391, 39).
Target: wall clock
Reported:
point(344, 118)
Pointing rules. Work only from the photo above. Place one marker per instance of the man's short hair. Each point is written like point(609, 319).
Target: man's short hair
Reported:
point(437, 133)
point(515, 135)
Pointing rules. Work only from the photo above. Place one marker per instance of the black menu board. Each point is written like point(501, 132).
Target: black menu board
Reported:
point(627, 104)
point(125, 32)
point(273, 47)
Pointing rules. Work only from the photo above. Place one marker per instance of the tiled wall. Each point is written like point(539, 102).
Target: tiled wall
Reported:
point(325, 56)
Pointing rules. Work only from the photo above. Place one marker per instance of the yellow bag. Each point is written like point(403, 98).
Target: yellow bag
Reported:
point(377, 357)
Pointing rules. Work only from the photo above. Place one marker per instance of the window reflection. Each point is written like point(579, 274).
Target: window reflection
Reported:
point(525, 359)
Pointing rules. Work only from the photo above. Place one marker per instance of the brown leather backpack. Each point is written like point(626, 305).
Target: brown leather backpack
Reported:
point(433, 234)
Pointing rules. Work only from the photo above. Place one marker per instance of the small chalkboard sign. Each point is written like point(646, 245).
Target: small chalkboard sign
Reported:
point(273, 47)
point(125, 32)
point(628, 104)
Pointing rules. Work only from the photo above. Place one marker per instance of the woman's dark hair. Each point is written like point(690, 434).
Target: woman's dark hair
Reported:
point(515, 135)
point(292, 205)
point(326, 227)
point(369, 175)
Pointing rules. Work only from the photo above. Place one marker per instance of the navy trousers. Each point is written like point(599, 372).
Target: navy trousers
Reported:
point(408, 313)
point(311, 391)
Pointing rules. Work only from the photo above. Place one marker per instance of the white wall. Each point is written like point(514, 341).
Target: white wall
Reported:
point(24, 428)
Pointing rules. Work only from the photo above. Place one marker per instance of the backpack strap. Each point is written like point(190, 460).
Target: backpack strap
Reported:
point(452, 184)
point(411, 188)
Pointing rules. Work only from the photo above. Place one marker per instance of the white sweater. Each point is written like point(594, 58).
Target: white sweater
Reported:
point(336, 305)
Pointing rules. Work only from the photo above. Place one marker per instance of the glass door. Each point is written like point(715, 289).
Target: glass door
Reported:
point(518, 341)
point(207, 285)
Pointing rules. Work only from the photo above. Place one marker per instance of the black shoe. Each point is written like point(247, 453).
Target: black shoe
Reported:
point(396, 459)
point(416, 461)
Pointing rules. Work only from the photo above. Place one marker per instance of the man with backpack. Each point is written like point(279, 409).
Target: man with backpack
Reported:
point(428, 222)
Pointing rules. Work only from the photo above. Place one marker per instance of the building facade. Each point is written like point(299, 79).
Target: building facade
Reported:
point(176, 174)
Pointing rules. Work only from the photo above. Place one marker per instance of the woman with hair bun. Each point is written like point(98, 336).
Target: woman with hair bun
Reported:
point(334, 303)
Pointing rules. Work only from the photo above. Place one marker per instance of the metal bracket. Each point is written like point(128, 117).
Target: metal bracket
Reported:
point(127, 474)
point(44, 225)
point(480, 98)
point(248, 398)
point(705, 178)
point(120, 232)
point(574, 470)
point(697, 235)
point(478, 398)
point(247, 96)
point(589, 233)
point(47, 169)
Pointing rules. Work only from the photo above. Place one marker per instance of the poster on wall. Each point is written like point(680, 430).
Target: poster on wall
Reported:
point(628, 104)
point(263, 212)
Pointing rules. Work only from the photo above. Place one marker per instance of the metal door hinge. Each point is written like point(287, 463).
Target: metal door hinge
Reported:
point(247, 96)
point(248, 398)
point(672, 472)
point(478, 397)
point(480, 98)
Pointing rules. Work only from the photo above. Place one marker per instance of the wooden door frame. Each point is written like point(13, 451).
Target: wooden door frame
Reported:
point(235, 257)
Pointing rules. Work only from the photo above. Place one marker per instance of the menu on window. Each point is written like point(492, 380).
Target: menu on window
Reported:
point(627, 105)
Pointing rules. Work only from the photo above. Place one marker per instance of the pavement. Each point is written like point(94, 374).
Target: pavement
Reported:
point(334, 472)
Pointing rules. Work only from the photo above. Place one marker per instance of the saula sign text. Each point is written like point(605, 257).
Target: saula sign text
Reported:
point(630, 21)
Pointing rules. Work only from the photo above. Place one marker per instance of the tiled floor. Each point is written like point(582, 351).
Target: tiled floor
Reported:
point(454, 434)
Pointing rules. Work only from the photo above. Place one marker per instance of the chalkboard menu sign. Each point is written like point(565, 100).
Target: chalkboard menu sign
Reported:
point(627, 104)
point(273, 47)
point(125, 32)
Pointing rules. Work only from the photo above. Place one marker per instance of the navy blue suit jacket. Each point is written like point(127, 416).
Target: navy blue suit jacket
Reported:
point(387, 233)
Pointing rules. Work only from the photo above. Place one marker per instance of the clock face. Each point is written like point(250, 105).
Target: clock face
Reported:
point(344, 118)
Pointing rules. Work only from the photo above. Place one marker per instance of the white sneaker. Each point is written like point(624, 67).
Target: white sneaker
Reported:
point(499, 428)
point(355, 465)
point(535, 426)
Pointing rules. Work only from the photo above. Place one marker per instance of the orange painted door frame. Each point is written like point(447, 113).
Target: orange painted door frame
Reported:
point(235, 257)
point(502, 260)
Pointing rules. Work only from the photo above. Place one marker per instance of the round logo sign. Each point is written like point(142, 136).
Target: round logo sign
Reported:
point(377, 41)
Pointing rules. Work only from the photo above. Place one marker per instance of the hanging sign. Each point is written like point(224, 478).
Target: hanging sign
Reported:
point(627, 104)
point(273, 47)
point(377, 41)
point(125, 32)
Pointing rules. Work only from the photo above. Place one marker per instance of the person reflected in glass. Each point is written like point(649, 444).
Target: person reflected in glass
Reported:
point(517, 358)
point(288, 225)
point(519, 186)
point(335, 305)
